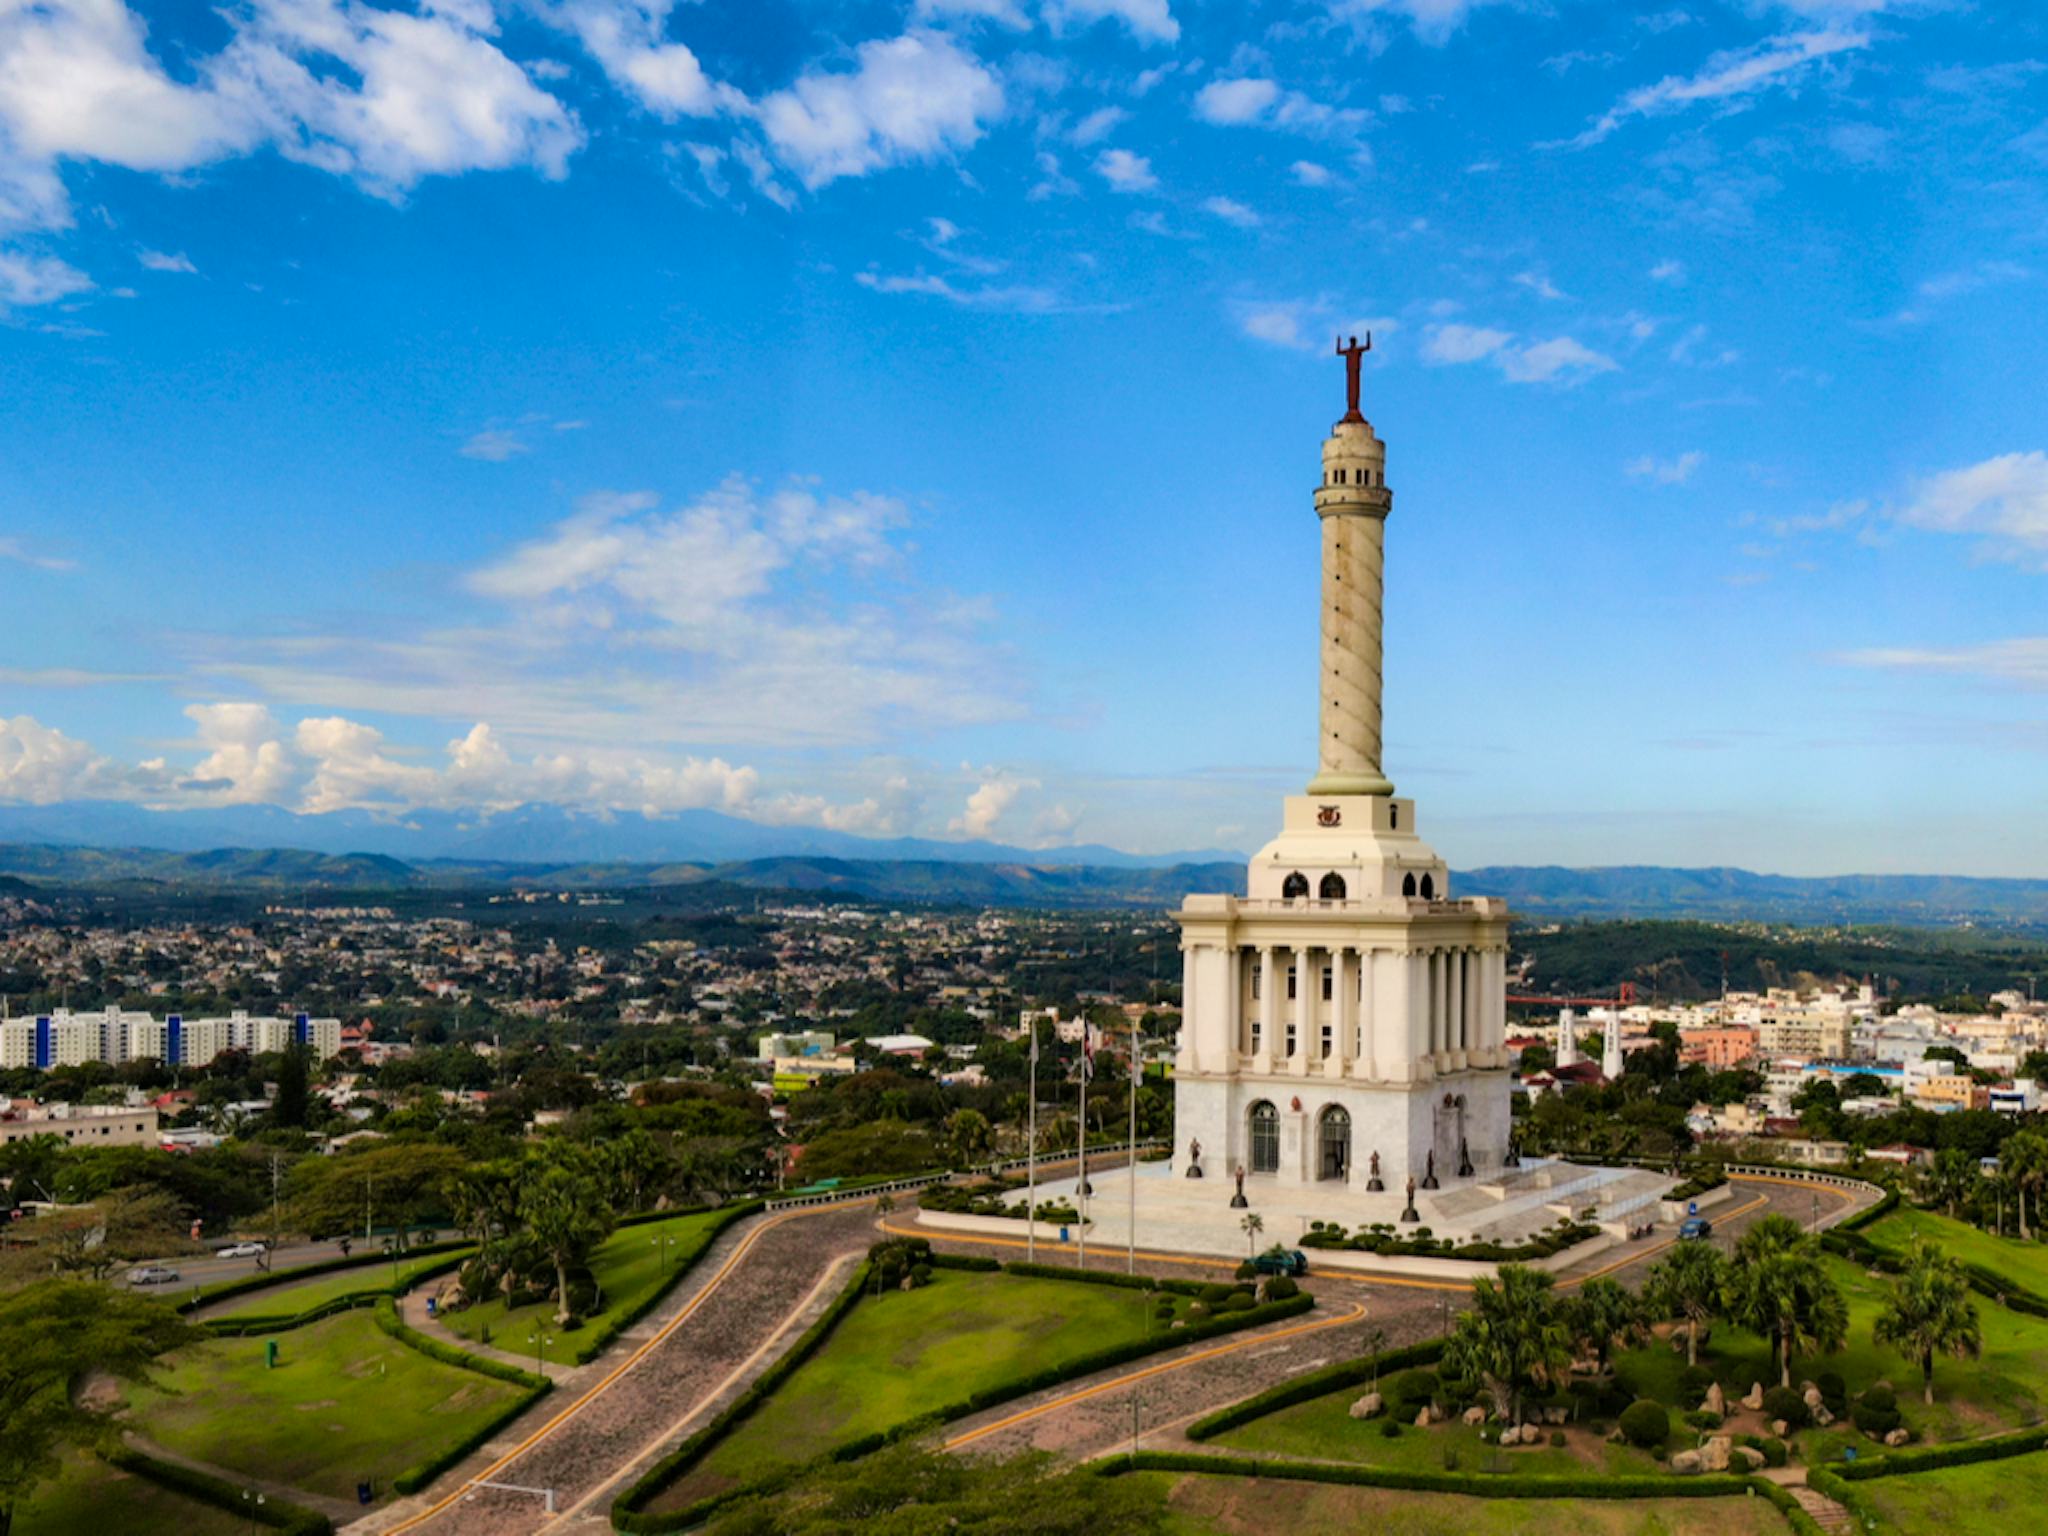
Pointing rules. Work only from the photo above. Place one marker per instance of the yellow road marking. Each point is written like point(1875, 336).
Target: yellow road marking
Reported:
point(568, 1413)
point(1256, 1337)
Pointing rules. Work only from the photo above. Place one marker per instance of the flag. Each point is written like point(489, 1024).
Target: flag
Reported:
point(1087, 1051)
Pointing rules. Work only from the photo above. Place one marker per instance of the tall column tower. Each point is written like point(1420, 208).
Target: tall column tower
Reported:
point(1353, 502)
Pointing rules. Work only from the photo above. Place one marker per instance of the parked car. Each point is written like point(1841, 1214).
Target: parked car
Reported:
point(240, 1251)
point(1695, 1229)
point(152, 1274)
point(1281, 1261)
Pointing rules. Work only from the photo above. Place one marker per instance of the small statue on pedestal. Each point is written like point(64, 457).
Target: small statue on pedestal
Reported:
point(1411, 1214)
point(1464, 1159)
point(1195, 1157)
point(1429, 1172)
point(1514, 1158)
point(1375, 1184)
point(1238, 1201)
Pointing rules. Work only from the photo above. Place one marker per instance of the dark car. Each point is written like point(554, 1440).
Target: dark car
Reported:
point(1695, 1229)
point(1281, 1261)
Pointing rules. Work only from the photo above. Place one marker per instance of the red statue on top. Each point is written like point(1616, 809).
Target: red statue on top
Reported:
point(1351, 356)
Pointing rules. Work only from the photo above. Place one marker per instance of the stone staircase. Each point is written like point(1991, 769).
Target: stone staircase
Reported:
point(1822, 1510)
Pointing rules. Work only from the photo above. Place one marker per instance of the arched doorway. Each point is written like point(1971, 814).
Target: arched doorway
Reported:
point(1265, 1127)
point(1333, 1143)
point(1333, 887)
point(1294, 887)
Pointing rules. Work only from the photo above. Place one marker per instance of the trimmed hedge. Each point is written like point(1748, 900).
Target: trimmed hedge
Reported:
point(1782, 1501)
point(1698, 1184)
point(419, 1476)
point(1956, 1454)
point(970, 1261)
point(1102, 1277)
point(276, 1513)
point(268, 1279)
point(1485, 1485)
point(1301, 1389)
point(244, 1327)
point(629, 1510)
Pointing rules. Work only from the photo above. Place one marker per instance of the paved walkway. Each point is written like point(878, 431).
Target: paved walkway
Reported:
point(745, 1301)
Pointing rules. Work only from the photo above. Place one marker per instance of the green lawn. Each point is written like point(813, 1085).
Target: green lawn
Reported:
point(1989, 1498)
point(629, 1264)
point(90, 1498)
point(2024, 1264)
point(908, 1353)
point(1201, 1505)
point(288, 1297)
point(345, 1402)
point(2005, 1389)
point(1323, 1430)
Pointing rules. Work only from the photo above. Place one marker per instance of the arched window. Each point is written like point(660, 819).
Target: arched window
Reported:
point(1265, 1124)
point(1294, 886)
point(1408, 885)
point(1393, 818)
point(1429, 888)
point(1333, 887)
point(1333, 1144)
point(1340, 477)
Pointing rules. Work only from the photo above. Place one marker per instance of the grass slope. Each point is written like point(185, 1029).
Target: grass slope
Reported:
point(288, 1297)
point(1990, 1498)
point(1234, 1506)
point(628, 1265)
point(908, 1353)
point(2025, 1265)
point(1323, 1430)
point(90, 1498)
point(345, 1402)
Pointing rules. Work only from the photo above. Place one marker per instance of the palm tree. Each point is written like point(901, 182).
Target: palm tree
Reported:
point(1779, 1287)
point(565, 1216)
point(1603, 1311)
point(2024, 1160)
point(1930, 1312)
point(1253, 1225)
point(1952, 1180)
point(1513, 1337)
point(1689, 1283)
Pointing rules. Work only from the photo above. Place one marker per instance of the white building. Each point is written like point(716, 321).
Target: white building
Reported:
point(1347, 1007)
point(65, 1039)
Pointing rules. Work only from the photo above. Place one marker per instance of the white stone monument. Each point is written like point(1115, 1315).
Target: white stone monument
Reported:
point(1348, 1007)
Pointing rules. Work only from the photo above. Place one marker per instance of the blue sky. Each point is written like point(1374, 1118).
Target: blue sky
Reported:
point(901, 417)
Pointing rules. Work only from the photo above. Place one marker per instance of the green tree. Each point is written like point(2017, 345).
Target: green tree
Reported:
point(1603, 1311)
point(1513, 1338)
point(2024, 1161)
point(393, 1183)
point(970, 1136)
point(52, 1335)
point(1953, 1180)
point(293, 1092)
point(1780, 1288)
point(563, 1212)
point(1689, 1283)
point(1930, 1312)
point(1252, 1224)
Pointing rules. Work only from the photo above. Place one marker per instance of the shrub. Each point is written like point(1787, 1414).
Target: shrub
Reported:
point(1240, 1301)
point(1700, 1418)
point(1645, 1424)
point(1879, 1396)
point(1694, 1381)
point(1412, 1389)
point(1280, 1287)
point(1785, 1403)
point(1557, 1439)
point(1247, 1270)
point(1877, 1412)
point(1833, 1391)
point(1775, 1454)
point(1390, 1429)
point(1215, 1292)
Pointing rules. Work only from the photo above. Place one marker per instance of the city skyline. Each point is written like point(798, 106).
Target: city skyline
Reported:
point(901, 418)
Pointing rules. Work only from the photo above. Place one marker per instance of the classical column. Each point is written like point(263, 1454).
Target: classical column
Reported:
point(1306, 985)
point(1343, 1012)
point(1454, 1010)
point(1436, 1009)
point(1233, 1009)
point(1269, 1011)
point(1367, 1063)
point(1353, 502)
point(1417, 1064)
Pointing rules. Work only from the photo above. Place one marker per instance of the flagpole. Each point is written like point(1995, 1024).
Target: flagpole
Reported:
point(1031, 1157)
point(1081, 1189)
point(1131, 1159)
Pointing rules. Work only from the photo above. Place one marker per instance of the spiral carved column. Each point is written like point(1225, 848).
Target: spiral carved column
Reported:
point(1353, 502)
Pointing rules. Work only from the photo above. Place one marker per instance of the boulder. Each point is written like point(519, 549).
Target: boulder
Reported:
point(1717, 1401)
point(1714, 1454)
point(1369, 1406)
point(1755, 1399)
point(1422, 1419)
point(1512, 1435)
point(1750, 1457)
point(1555, 1414)
point(1685, 1463)
point(1898, 1436)
point(1475, 1415)
point(1812, 1395)
point(1780, 1428)
point(1821, 1417)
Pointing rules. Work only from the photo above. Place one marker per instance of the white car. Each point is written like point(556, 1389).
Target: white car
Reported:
point(152, 1274)
point(240, 1251)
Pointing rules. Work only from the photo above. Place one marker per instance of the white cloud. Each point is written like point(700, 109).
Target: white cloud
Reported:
point(1232, 212)
point(628, 38)
point(1097, 125)
point(1729, 75)
point(1279, 324)
point(1126, 172)
point(27, 279)
point(1253, 102)
point(1150, 21)
point(1015, 298)
point(2023, 661)
point(245, 763)
point(164, 261)
point(14, 550)
point(1006, 12)
point(1462, 343)
point(1669, 270)
point(1434, 21)
point(495, 446)
point(1666, 471)
point(1560, 360)
point(990, 802)
point(914, 97)
point(1307, 173)
point(42, 765)
point(2002, 500)
point(1539, 284)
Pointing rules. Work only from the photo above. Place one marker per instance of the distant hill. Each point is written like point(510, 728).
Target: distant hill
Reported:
point(1726, 894)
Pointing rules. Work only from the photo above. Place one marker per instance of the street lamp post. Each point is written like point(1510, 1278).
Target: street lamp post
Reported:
point(252, 1505)
point(664, 1240)
point(540, 1347)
